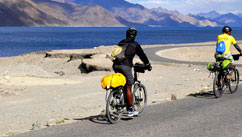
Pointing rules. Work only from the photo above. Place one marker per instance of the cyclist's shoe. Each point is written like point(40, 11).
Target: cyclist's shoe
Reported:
point(136, 113)
point(131, 112)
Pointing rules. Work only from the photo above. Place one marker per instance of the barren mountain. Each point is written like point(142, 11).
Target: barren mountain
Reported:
point(229, 19)
point(139, 14)
point(51, 13)
point(210, 14)
point(222, 19)
point(25, 13)
point(181, 18)
point(159, 17)
point(107, 4)
point(90, 13)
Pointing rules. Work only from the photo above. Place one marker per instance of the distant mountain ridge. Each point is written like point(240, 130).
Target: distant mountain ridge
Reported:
point(107, 4)
point(210, 15)
point(51, 13)
point(102, 13)
point(24, 13)
point(229, 19)
point(183, 20)
point(138, 14)
point(222, 19)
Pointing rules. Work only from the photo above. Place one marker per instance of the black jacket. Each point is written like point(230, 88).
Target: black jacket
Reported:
point(132, 49)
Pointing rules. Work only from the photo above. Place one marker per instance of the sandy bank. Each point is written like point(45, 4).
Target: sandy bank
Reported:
point(194, 54)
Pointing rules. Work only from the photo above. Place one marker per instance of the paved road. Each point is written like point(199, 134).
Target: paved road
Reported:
point(152, 56)
point(201, 116)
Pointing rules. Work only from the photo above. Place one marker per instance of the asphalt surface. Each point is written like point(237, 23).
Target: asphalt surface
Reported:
point(152, 56)
point(150, 52)
point(200, 115)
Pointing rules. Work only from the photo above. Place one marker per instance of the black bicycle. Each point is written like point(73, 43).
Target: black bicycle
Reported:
point(115, 99)
point(225, 77)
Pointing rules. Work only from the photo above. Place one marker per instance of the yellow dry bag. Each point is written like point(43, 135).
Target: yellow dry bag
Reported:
point(113, 81)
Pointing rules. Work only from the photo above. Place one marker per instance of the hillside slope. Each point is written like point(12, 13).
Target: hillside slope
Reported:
point(50, 13)
point(151, 17)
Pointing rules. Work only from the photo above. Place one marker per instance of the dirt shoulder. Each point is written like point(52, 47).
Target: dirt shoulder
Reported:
point(65, 85)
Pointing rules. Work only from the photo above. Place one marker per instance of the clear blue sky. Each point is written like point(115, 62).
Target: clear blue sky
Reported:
point(194, 6)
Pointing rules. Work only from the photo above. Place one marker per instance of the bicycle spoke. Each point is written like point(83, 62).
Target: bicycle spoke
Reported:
point(114, 108)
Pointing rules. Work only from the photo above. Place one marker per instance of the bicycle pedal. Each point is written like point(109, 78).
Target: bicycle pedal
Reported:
point(140, 99)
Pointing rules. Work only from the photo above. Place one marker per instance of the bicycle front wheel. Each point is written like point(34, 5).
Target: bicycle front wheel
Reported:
point(218, 85)
point(139, 98)
point(113, 107)
point(234, 81)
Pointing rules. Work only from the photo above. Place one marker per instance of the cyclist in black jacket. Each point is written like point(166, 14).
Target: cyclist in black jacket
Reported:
point(125, 67)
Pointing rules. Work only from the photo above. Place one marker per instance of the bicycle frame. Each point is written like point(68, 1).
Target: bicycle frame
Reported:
point(112, 90)
point(115, 98)
point(136, 81)
point(220, 70)
point(221, 81)
point(136, 78)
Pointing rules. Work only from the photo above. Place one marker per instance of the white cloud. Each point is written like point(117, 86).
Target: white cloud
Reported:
point(154, 2)
point(194, 6)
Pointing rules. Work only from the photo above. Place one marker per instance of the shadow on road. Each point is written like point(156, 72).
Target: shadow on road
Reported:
point(206, 95)
point(100, 119)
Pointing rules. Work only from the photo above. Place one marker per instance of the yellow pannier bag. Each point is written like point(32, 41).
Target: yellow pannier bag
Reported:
point(113, 81)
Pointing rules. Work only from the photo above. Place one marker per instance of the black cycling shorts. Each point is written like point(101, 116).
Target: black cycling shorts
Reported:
point(126, 71)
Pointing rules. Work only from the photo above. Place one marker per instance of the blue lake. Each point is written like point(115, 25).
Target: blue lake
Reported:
point(20, 40)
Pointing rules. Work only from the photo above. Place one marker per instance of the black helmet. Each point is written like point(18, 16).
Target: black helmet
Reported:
point(226, 29)
point(131, 32)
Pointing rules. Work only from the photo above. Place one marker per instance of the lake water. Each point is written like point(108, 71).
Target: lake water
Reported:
point(20, 40)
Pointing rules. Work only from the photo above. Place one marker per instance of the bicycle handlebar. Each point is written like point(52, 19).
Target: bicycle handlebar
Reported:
point(138, 67)
point(236, 56)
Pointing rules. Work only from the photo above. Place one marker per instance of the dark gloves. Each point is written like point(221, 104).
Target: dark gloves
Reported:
point(148, 67)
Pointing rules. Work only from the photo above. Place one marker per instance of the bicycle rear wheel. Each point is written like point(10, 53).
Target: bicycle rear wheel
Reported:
point(113, 107)
point(234, 81)
point(139, 98)
point(218, 85)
